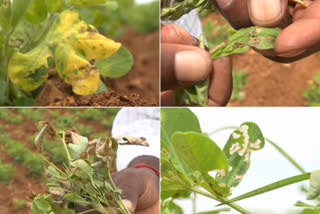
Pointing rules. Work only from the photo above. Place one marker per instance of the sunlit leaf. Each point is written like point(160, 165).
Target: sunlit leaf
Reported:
point(238, 150)
point(54, 5)
point(117, 65)
point(18, 10)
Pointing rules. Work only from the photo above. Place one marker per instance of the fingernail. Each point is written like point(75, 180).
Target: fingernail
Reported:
point(223, 3)
point(292, 53)
point(264, 11)
point(191, 66)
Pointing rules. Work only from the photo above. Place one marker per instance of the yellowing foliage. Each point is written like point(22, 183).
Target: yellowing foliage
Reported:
point(73, 44)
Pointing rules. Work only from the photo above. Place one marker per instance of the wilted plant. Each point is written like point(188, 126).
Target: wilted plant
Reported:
point(39, 37)
point(191, 162)
point(85, 179)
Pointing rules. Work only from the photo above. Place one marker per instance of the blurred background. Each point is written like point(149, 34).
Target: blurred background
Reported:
point(296, 130)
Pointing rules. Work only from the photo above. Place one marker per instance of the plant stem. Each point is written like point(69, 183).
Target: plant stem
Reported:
point(278, 148)
point(270, 187)
point(286, 155)
point(87, 211)
point(66, 147)
point(232, 205)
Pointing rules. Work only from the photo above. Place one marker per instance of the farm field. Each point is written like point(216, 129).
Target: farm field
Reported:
point(21, 168)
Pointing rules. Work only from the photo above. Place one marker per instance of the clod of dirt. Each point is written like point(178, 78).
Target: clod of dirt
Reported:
point(104, 99)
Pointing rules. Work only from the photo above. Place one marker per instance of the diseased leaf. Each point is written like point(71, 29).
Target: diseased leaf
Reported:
point(78, 145)
point(202, 156)
point(37, 12)
point(314, 190)
point(76, 70)
point(238, 150)
point(117, 65)
point(93, 45)
point(260, 38)
point(28, 71)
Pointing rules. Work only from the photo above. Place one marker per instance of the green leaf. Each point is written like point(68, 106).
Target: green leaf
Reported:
point(18, 10)
point(3, 92)
point(201, 155)
point(37, 12)
point(78, 145)
point(169, 207)
point(193, 95)
point(238, 150)
point(41, 205)
point(24, 101)
point(75, 198)
point(173, 190)
point(86, 3)
point(52, 171)
point(5, 14)
point(173, 120)
point(102, 87)
point(314, 190)
point(54, 5)
point(82, 169)
point(260, 38)
point(117, 65)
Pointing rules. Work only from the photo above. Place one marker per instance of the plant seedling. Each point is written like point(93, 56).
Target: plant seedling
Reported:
point(85, 179)
point(192, 163)
point(39, 37)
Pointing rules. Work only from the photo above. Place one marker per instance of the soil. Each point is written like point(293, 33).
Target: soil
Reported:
point(104, 99)
point(140, 87)
point(21, 185)
point(271, 83)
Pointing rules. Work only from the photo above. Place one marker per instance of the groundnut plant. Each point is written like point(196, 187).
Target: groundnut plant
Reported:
point(192, 163)
point(258, 38)
point(42, 36)
point(85, 180)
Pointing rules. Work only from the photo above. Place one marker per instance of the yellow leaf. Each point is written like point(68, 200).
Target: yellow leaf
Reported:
point(94, 45)
point(76, 70)
point(28, 71)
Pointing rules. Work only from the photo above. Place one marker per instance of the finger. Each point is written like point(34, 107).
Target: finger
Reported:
point(168, 98)
point(183, 65)
point(269, 13)
point(220, 87)
point(175, 34)
point(303, 34)
point(235, 11)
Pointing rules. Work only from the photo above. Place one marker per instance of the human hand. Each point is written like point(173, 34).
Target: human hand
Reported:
point(140, 191)
point(183, 64)
point(301, 26)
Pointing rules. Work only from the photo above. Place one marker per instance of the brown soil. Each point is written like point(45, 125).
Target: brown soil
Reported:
point(271, 83)
point(140, 87)
point(104, 99)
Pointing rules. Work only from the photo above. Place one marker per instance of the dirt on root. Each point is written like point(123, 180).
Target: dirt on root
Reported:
point(140, 87)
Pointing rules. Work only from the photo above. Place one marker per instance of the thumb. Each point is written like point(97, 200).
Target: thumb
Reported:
point(269, 13)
